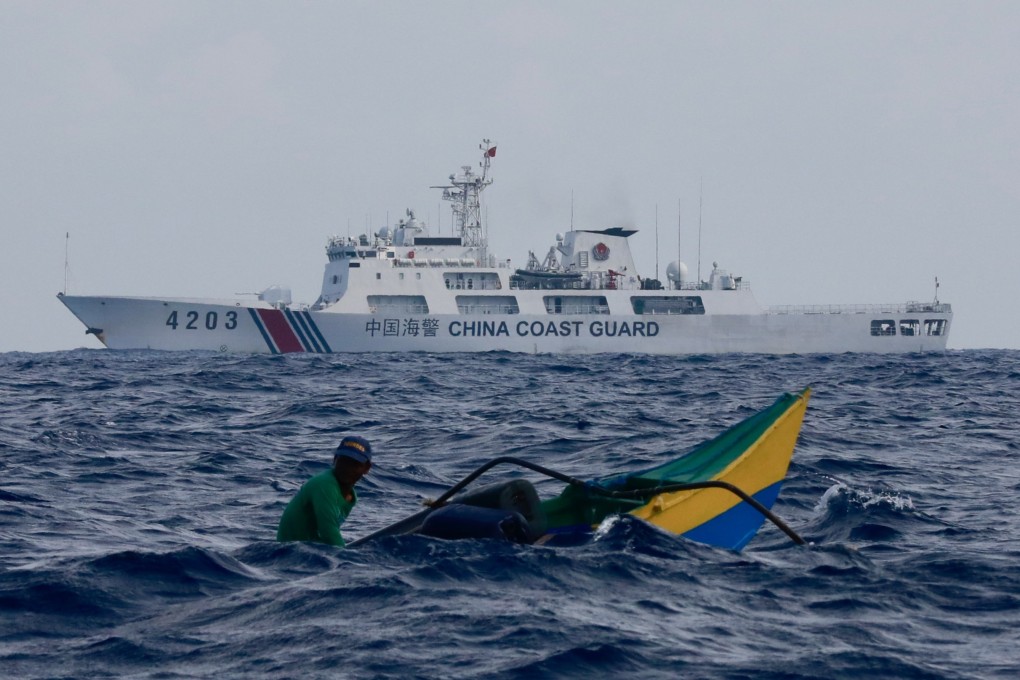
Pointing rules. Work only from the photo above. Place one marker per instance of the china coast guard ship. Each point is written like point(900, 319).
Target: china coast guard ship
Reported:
point(404, 289)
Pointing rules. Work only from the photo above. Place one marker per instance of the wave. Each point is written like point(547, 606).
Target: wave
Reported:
point(141, 491)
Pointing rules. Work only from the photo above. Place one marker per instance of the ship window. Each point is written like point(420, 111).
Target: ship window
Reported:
point(883, 327)
point(487, 304)
point(418, 276)
point(398, 304)
point(378, 276)
point(910, 327)
point(668, 304)
point(336, 279)
point(528, 280)
point(934, 326)
point(401, 276)
point(475, 281)
point(481, 280)
point(576, 304)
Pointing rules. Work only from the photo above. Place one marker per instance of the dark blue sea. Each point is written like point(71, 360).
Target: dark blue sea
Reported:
point(140, 493)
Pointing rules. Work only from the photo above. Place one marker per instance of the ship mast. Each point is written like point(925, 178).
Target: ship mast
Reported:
point(464, 193)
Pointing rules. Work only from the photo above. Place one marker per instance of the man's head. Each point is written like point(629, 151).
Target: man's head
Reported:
point(352, 459)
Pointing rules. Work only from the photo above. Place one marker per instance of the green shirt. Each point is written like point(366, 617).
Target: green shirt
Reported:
point(316, 512)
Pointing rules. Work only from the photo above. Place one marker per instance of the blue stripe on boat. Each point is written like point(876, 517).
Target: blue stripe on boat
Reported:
point(298, 331)
point(315, 329)
point(300, 319)
point(734, 528)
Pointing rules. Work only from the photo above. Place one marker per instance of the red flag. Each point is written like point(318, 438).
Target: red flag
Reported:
point(491, 153)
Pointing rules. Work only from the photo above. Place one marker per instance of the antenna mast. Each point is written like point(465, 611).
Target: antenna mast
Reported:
point(656, 241)
point(701, 195)
point(678, 244)
point(67, 265)
point(464, 193)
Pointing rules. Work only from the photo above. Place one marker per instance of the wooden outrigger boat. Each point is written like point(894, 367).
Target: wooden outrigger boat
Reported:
point(719, 493)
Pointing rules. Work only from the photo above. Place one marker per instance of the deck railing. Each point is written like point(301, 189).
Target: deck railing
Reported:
point(890, 308)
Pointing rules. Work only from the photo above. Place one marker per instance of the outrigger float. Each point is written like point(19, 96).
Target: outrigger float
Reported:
point(406, 289)
point(719, 493)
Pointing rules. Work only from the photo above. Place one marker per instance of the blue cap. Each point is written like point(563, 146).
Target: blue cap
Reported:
point(356, 448)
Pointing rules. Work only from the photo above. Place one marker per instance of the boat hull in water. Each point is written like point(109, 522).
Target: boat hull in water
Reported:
point(753, 456)
point(236, 326)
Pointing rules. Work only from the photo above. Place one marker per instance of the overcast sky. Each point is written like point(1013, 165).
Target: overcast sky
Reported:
point(844, 152)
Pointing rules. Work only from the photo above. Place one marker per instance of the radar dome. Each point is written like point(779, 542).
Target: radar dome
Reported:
point(676, 271)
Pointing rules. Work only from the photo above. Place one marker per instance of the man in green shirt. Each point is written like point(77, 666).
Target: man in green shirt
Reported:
point(323, 503)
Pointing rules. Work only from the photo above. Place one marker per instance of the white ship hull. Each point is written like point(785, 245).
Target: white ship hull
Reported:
point(183, 324)
point(402, 289)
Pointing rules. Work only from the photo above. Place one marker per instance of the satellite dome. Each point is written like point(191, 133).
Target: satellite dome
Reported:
point(676, 271)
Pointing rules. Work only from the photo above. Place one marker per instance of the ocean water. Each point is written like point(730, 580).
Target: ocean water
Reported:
point(140, 493)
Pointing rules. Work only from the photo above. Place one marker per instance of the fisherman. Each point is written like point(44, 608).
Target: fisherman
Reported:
point(323, 503)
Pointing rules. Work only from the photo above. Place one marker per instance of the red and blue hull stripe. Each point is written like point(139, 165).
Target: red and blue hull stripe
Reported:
point(285, 331)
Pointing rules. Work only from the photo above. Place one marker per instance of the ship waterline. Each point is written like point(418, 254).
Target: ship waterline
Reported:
point(165, 324)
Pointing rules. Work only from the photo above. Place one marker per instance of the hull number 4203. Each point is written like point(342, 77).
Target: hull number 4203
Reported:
point(193, 321)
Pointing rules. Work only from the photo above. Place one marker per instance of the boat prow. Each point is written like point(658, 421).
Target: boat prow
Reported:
point(754, 455)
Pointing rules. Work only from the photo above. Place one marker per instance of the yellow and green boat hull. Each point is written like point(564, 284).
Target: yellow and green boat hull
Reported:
point(753, 455)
